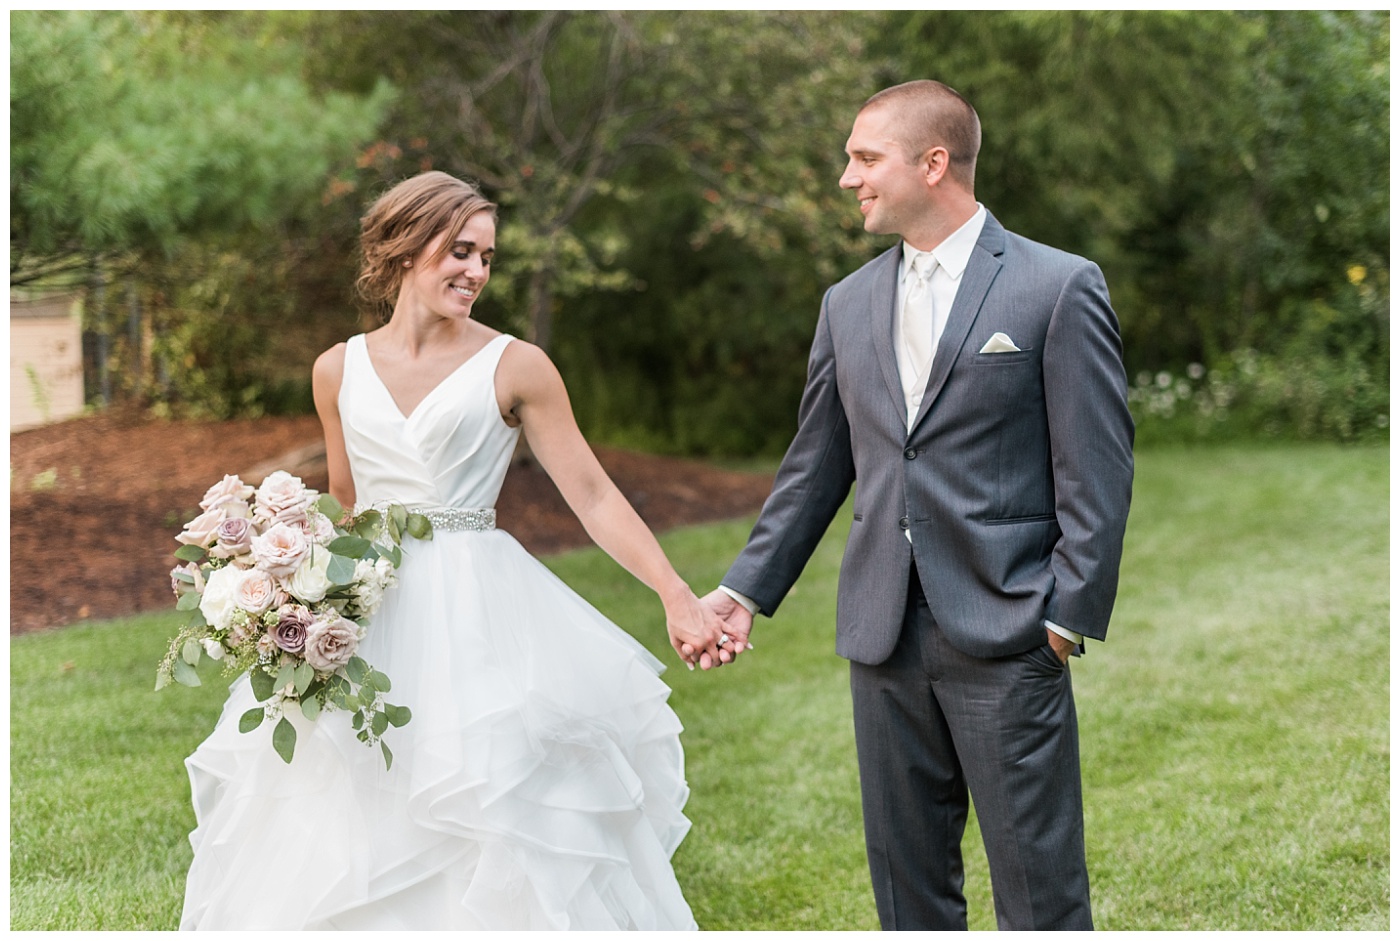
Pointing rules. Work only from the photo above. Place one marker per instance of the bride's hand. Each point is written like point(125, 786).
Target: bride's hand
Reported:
point(696, 631)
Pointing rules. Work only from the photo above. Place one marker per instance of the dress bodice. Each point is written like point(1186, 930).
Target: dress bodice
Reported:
point(452, 451)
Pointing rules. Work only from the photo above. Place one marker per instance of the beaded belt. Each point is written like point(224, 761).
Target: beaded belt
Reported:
point(454, 519)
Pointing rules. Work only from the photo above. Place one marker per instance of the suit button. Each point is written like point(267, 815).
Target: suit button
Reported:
point(904, 522)
point(910, 454)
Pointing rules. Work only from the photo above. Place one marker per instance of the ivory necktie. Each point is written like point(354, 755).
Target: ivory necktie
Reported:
point(916, 330)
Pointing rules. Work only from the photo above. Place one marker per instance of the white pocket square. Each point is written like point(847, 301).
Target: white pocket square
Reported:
point(1000, 343)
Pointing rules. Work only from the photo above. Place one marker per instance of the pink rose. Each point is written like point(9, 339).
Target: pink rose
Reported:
point(234, 537)
point(202, 530)
point(182, 587)
point(279, 551)
point(228, 490)
point(293, 624)
point(331, 644)
point(283, 498)
point(256, 592)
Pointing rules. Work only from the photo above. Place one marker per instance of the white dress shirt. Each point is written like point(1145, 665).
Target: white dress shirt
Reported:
point(952, 254)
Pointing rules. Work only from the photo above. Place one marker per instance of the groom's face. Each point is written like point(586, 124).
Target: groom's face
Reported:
point(893, 193)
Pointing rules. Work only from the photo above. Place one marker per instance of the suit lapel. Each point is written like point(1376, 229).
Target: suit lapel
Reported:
point(882, 318)
point(982, 269)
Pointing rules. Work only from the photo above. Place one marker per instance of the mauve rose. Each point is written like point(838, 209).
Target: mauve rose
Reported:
point(293, 623)
point(228, 490)
point(330, 644)
point(255, 592)
point(283, 498)
point(279, 551)
point(202, 530)
point(235, 537)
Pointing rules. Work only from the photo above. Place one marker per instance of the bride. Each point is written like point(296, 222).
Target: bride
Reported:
point(540, 783)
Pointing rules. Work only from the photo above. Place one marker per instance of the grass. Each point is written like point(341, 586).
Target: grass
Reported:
point(1235, 729)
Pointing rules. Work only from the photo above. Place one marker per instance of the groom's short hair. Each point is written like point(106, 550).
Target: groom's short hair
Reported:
point(934, 115)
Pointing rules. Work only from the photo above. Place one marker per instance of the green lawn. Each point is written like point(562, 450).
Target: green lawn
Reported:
point(1235, 729)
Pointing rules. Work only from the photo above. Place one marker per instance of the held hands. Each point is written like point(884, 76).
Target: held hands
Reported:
point(697, 633)
point(735, 621)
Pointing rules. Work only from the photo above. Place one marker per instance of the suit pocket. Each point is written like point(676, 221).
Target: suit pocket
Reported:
point(1002, 359)
point(1013, 520)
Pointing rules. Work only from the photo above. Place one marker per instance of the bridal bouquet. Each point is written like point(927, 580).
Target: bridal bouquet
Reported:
point(279, 584)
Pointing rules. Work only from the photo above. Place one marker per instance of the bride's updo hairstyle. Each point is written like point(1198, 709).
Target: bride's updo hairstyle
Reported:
point(404, 220)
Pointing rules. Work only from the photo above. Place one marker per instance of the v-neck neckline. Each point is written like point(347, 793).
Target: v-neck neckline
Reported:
point(364, 342)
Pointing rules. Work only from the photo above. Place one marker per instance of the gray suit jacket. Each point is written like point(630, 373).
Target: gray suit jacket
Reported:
point(1015, 479)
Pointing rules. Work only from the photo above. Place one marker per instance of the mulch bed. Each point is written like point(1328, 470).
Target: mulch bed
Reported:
point(95, 503)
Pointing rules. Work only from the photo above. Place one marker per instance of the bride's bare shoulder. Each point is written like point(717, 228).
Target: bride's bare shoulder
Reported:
point(329, 367)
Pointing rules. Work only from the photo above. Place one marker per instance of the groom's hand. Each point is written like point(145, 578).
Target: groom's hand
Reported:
point(1063, 646)
point(738, 622)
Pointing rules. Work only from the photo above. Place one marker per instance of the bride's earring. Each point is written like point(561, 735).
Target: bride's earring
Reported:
point(408, 262)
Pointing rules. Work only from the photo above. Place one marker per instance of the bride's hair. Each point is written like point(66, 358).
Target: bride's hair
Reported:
point(401, 223)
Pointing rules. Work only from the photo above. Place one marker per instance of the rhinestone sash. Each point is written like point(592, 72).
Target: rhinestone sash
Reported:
point(456, 519)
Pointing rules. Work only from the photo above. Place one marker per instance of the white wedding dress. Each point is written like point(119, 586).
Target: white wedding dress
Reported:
point(541, 780)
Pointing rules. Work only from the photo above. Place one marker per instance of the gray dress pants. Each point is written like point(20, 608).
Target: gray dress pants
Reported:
point(933, 724)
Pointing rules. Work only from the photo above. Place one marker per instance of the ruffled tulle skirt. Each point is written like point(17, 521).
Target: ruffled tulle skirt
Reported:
point(539, 784)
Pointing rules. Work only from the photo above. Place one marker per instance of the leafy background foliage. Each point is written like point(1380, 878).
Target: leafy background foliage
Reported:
point(670, 214)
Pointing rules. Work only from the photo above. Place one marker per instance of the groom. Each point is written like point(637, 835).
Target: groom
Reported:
point(969, 383)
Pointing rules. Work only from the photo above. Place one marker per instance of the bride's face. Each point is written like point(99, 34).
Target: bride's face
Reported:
point(450, 285)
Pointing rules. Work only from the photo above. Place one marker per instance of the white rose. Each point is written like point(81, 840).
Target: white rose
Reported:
point(385, 568)
point(279, 551)
point(217, 604)
point(213, 648)
point(256, 591)
point(310, 582)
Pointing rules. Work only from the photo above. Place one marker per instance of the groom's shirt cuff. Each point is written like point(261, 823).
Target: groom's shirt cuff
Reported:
point(745, 600)
point(1064, 632)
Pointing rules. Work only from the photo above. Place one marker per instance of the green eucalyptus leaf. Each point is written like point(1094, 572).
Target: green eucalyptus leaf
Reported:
point(398, 715)
point(419, 526)
point(351, 547)
point(395, 531)
point(363, 736)
point(191, 652)
point(330, 507)
point(356, 669)
point(190, 553)
point(262, 683)
point(162, 680)
point(302, 677)
point(181, 576)
point(185, 674)
point(395, 555)
point(388, 756)
point(379, 724)
point(284, 739)
point(285, 675)
point(367, 524)
point(379, 681)
point(367, 695)
point(398, 513)
point(188, 602)
point(311, 707)
point(251, 719)
point(341, 571)
point(357, 721)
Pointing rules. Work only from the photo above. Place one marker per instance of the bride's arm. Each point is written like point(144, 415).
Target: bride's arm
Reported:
point(325, 389)
point(530, 389)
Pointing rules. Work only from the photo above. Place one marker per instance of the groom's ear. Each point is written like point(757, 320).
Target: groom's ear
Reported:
point(934, 164)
